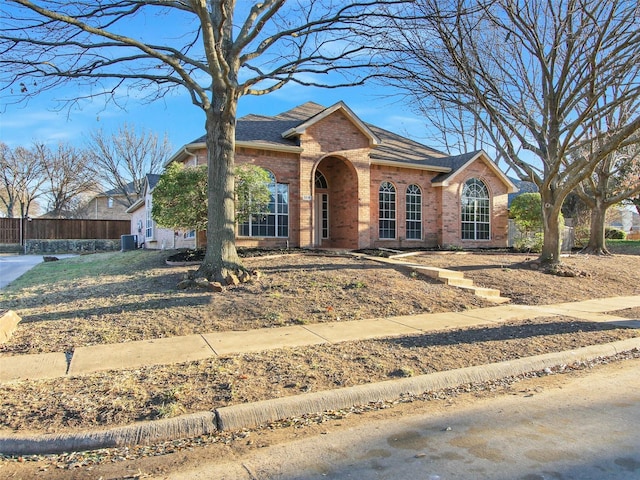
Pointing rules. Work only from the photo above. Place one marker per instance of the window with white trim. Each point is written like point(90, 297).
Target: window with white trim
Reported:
point(274, 222)
point(323, 198)
point(149, 223)
point(475, 211)
point(414, 213)
point(387, 211)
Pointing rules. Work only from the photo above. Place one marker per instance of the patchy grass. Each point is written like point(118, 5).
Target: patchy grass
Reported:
point(118, 297)
point(86, 266)
point(626, 247)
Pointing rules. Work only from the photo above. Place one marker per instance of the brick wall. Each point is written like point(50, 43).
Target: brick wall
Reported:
point(341, 151)
point(451, 215)
point(98, 209)
point(401, 178)
point(286, 168)
point(335, 146)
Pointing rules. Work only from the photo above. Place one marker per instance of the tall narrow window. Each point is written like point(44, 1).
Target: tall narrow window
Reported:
point(324, 213)
point(387, 212)
point(475, 211)
point(414, 213)
point(148, 233)
point(274, 221)
point(110, 202)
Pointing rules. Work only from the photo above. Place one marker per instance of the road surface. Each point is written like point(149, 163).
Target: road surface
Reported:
point(13, 266)
point(580, 427)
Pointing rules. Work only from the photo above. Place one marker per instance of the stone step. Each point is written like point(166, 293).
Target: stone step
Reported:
point(8, 323)
point(460, 282)
point(451, 278)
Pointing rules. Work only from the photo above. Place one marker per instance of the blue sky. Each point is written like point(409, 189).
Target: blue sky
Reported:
point(38, 120)
point(175, 115)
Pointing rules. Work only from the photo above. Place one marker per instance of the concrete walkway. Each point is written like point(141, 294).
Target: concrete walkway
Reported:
point(163, 351)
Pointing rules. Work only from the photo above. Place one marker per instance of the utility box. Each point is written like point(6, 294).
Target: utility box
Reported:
point(128, 242)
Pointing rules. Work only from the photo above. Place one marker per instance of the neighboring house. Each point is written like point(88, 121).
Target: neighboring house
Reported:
point(110, 205)
point(142, 224)
point(625, 218)
point(338, 182)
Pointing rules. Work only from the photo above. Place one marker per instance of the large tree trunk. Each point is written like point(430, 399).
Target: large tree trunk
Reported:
point(597, 245)
point(551, 245)
point(221, 257)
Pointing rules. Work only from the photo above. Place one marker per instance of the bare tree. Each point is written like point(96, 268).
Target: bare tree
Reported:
point(217, 50)
point(122, 160)
point(21, 176)
point(67, 177)
point(533, 75)
point(615, 179)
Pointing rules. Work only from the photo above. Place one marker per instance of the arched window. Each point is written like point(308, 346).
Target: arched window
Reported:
point(387, 210)
point(475, 210)
point(274, 222)
point(414, 213)
point(321, 180)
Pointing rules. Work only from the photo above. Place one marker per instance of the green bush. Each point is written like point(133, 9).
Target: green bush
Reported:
point(614, 233)
point(531, 243)
point(526, 210)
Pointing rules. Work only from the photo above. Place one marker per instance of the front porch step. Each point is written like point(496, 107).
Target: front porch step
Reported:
point(460, 282)
point(452, 278)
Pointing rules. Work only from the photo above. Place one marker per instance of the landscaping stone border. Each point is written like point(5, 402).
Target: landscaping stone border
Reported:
point(36, 247)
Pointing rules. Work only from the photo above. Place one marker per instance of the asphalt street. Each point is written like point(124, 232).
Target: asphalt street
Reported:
point(13, 266)
point(580, 428)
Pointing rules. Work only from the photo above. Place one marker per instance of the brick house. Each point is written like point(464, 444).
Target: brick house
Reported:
point(109, 205)
point(339, 182)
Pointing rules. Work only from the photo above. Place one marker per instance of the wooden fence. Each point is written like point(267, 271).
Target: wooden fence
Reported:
point(16, 230)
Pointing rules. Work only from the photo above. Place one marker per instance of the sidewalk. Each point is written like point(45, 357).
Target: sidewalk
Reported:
point(163, 351)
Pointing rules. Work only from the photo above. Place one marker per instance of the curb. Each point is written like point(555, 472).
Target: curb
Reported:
point(252, 414)
point(143, 433)
point(249, 415)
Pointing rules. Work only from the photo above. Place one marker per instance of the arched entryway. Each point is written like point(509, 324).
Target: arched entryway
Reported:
point(335, 204)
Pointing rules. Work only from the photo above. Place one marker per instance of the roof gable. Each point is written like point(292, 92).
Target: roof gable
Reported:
point(298, 130)
point(150, 181)
point(460, 162)
point(282, 133)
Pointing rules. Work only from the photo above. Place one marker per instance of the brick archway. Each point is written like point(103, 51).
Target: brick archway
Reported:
point(339, 200)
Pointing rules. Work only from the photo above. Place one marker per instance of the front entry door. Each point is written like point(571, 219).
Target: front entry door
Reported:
point(322, 218)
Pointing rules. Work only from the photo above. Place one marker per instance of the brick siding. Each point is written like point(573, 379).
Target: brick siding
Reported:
point(340, 150)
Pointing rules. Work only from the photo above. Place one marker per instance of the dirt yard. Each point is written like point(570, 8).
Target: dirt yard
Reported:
point(139, 300)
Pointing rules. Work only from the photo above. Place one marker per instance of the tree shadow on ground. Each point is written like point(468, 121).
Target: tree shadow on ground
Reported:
point(536, 328)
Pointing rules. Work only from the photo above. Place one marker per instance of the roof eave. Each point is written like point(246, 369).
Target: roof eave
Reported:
point(184, 152)
point(269, 146)
point(414, 166)
point(135, 206)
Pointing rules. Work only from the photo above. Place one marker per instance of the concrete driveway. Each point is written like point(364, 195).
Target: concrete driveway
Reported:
point(13, 266)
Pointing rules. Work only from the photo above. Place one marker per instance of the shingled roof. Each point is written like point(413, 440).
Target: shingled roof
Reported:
point(389, 147)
